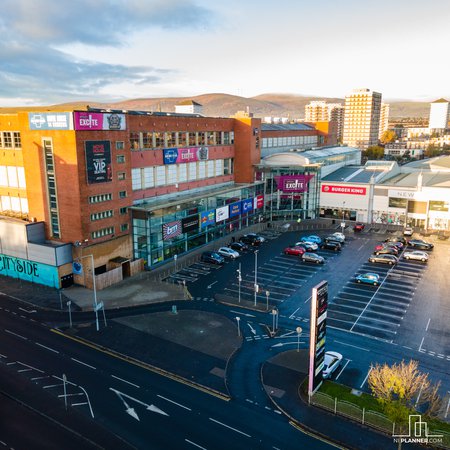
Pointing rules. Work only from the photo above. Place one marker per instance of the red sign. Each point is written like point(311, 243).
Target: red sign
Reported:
point(353, 190)
point(259, 201)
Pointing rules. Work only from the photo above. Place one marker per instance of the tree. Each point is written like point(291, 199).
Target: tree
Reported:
point(401, 389)
point(388, 136)
point(374, 152)
point(432, 150)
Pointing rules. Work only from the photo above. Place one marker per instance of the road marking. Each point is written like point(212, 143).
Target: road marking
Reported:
point(2, 356)
point(350, 345)
point(212, 284)
point(428, 324)
point(440, 355)
point(421, 343)
point(25, 310)
point(125, 381)
point(175, 403)
point(365, 379)
point(79, 404)
point(308, 299)
point(362, 246)
point(193, 443)
point(231, 428)
point(244, 314)
point(48, 386)
point(346, 364)
point(71, 395)
point(15, 334)
point(48, 348)
point(84, 364)
point(24, 370)
point(39, 378)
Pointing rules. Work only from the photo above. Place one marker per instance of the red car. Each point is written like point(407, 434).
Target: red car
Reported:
point(358, 226)
point(297, 251)
point(384, 245)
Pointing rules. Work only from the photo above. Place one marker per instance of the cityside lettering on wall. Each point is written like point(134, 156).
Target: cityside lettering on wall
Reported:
point(18, 265)
point(352, 190)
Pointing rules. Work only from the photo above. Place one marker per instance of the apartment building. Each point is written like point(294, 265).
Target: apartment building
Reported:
point(384, 119)
point(320, 111)
point(439, 115)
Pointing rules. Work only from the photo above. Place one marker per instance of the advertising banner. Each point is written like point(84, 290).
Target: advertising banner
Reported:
point(293, 183)
point(247, 205)
point(184, 155)
point(86, 120)
point(171, 230)
point(259, 201)
point(98, 161)
point(222, 213)
point(352, 190)
point(235, 209)
point(208, 218)
point(319, 305)
point(50, 121)
point(190, 223)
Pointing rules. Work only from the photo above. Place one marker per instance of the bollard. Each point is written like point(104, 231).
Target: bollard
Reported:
point(174, 309)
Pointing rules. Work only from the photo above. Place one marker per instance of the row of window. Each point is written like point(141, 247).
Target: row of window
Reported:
point(174, 139)
point(12, 176)
point(16, 204)
point(148, 177)
point(10, 139)
point(108, 231)
point(288, 140)
point(101, 215)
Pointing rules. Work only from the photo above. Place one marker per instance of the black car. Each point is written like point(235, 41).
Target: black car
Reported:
point(387, 251)
point(385, 259)
point(419, 243)
point(395, 239)
point(212, 257)
point(239, 247)
point(252, 239)
point(331, 245)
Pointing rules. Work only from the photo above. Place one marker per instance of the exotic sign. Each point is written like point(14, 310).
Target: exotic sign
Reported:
point(293, 183)
point(334, 189)
point(86, 120)
point(98, 161)
point(171, 230)
point(184, 155)
point(190, 223)
point(50, 121)
point(208, 218)
point(319, 305)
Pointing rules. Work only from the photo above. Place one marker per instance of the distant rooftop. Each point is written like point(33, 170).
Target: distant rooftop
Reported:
point(441, 100)
point(286, 127)
point(188, 102)
point(358, 174)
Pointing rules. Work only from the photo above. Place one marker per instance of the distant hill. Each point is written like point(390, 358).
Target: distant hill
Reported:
point(276, 105)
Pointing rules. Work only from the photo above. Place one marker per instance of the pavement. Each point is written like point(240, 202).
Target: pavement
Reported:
point(194, 347)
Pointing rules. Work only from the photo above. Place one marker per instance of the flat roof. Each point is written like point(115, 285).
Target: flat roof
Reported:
point(286, 127)
point(429, 179)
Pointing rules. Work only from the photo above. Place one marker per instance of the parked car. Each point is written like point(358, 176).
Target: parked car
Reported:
point(408, 231)
point(228, 252)
point(331, 245)
point(212, 257)
point(339, 235)
point(419, 243)
point(308, 246)
point(313, 257)
point(387, 251)
point(417, 255)
point(359, 226)
point(311, 238)
point(335, 238)
point(332, 361)
point(368, 278)
point(296, 250)
point(252, 239)
point(384, 259)
point(396, 239)
point(239, 247)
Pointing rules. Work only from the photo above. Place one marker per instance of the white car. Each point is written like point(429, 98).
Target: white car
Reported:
point(309, 246)
point(227, 252)
point(417, 255)
point(408, 231)
point(339, 235)
point(332, 361)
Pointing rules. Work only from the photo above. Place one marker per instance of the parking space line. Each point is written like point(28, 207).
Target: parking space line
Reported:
point(365, 379)
point(346, 364)
point(376, 328)
point(351, 345)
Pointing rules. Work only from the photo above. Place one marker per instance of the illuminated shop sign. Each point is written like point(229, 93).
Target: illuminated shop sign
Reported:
point(258, 201)
point(247, 205)
point(235, 209)
point(190, 223)
point(185, 155)
point(208, 218)
point(98, 161)
point(222, 213)
point(171, 230)
point(50, 121)
point(293, 183)
point(352, 190)
point(86, 120)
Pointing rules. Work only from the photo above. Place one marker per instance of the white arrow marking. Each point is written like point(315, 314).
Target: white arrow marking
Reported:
point(280, 344)
point(25, 310)
point(148, 407)
point(128, 410)
point(212, 284)
point(241, 313)
point(251, 329)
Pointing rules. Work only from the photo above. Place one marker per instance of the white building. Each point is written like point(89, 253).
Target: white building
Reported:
point(384, 119)
point(362, 118)
point(320, 111)
point(189, 107)
point(439, 114)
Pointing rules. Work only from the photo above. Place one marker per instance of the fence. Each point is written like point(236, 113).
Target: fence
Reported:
point(370, 418)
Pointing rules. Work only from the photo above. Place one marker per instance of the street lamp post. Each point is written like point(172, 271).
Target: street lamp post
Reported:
point(239, 330)
point(256, 274)
point(275, 320)
point(299, 332)
point(95, 292)
point(69, 303)
point(239, 281)
point(343, 217)
point(267, 298)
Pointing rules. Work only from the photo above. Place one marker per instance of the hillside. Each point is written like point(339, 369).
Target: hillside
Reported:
point(273, 104)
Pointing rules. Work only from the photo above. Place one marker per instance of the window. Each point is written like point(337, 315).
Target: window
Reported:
point(228, 166)
point(3, 176)
point(171, 138)
point(219, 167)
point(192, 139)
point(122, 194)
point(120, 159)
point(201, 138)
point(192, 168)
point(182, 173)
point(201, 169)
point(159, 140)
point(121, 175)
point(7, 139)
point(101, 215)
point(210, 138)
point(182, 139)
point(210, 168)
point(21, 177)
point(147, 140)
point(160, 175)
point(120, 145)
point(149, 179)
point(124, 227)
point(100, 198)
point(123, 211)
point(17, 141)
point(12, 176)
point(136, 179)
point(172, 174)
point(102, 232)
point(134, 141)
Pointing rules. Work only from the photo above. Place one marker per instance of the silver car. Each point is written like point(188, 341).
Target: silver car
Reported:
point(417, 255)
point(227, 252)
point(313, 257)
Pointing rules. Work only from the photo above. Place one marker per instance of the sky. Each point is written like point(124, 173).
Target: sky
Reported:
point(56, 51)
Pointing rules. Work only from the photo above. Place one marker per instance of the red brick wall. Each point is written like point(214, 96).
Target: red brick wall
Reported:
point(246, 131)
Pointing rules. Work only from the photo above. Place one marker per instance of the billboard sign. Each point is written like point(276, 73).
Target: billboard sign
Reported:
point(50, 121)
point(352, 190)
point(222, 213)
point(86, 120)
point(235, 209)
point(258, 201)
point(98, 161)
point(319, 305)
point(171, 230)
point(184, 155)
point(207, 218)
point(293, 183)
point(190, 223)
point(247, 205)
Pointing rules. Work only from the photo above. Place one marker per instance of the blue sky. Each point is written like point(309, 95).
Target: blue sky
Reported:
point(54, 51)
